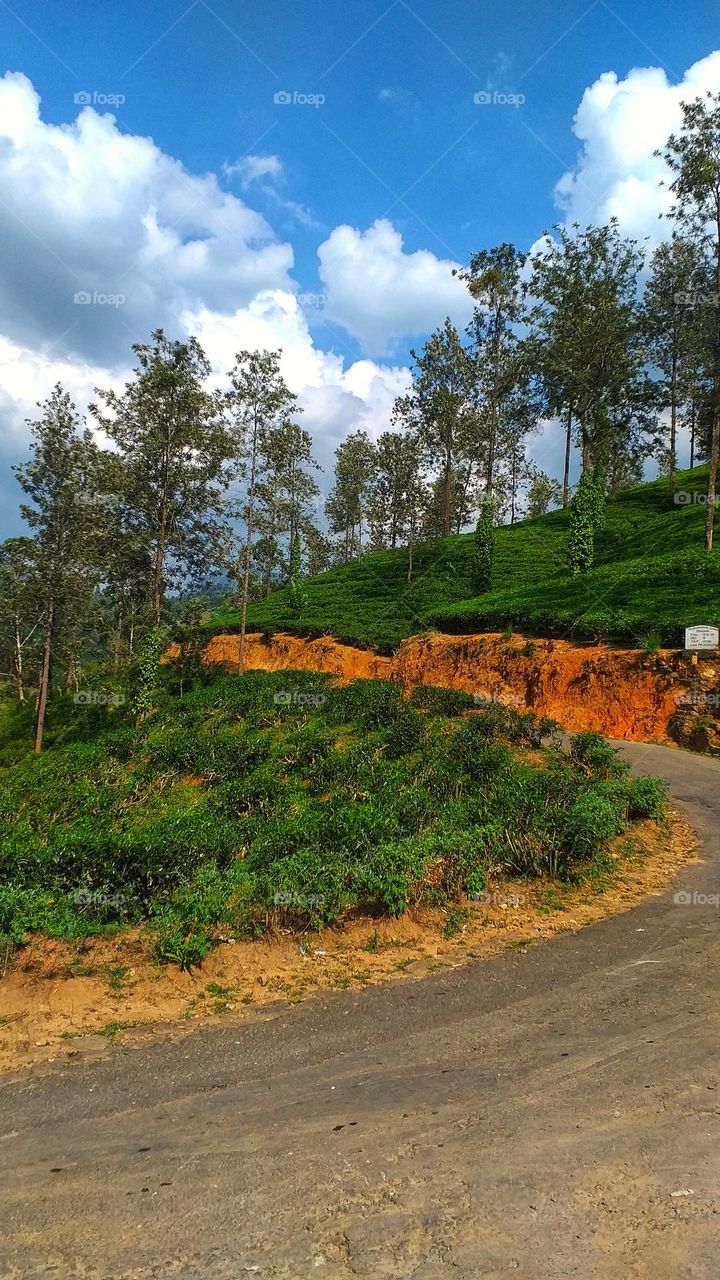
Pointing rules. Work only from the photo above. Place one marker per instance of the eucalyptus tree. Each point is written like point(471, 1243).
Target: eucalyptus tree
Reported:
point(495, 280)
point(63, 564)
point(438, 412)
point(175, 451)
point(261, 407)
point(586, 328)
point(670, 317)
point(391, 489)
point(286, 493)
point(22, 609)
point(347, 505)
point(693, 158)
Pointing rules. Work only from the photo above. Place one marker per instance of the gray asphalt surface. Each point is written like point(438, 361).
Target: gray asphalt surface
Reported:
point(539, 1115)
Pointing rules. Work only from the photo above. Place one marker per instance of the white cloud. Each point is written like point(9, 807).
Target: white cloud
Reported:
point(335, 398)
point(252, 168)
point(381, 294)
point(88, 209)
point(620, 124)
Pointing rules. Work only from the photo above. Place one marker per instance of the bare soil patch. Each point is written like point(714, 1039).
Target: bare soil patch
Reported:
point(63, 1001)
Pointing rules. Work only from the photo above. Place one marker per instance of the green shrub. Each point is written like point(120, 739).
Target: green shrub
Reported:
point(591, 753)
point(442, 702)
point(224, 810)
point(372, 704)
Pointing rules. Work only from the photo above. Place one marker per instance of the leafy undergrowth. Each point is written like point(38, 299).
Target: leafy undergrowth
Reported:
point(280, 798)
point(651, 576)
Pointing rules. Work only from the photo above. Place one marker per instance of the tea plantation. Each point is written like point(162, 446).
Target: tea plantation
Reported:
point(278, 797)
point(651, 579)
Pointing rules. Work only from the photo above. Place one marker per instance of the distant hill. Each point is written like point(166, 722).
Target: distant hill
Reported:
point(652, 578)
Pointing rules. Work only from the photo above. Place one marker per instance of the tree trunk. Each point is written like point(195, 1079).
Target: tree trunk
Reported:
point(18, 666)
point(585, 448)
point(568, 448)
point(673, 424)
point(44, 677)
point(715, 437)
point(692, 435)
point(712, 476)
point(248, 554)
point(447, 483)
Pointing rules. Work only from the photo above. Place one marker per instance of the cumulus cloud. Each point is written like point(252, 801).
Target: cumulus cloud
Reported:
point(89, 211)
point(381, 294)
point(620, 123)
point(335, 398)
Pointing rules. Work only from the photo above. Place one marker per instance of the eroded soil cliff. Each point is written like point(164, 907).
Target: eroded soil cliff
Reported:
point(624, 693)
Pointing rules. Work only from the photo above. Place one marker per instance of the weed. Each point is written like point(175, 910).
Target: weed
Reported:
point(455, 921)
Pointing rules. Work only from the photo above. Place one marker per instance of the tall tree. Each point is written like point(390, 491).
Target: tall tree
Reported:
point(175, 450)
point(676, 277)
point(22, 608)
point(395, 459)
point(586, 330)
point(56, 481)
point(286, 494)
point(260, 404)
point(693, 157)
point(438, 411)
point(347, 504)
point(494, 278)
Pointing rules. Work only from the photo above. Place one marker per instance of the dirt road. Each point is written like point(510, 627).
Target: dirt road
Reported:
point(540, 1115)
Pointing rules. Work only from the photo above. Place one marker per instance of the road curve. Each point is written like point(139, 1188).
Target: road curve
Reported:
point(539, 1115)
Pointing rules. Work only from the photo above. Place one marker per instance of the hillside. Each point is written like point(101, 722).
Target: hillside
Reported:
point(283, 797)
point(652, 578)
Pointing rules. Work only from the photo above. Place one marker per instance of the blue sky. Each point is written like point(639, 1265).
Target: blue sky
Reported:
point(330, 229)
point(398, 80)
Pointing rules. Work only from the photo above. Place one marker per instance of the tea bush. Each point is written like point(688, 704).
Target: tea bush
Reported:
point(276, 796)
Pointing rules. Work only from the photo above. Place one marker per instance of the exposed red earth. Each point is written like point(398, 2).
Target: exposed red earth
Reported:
point(624, 693)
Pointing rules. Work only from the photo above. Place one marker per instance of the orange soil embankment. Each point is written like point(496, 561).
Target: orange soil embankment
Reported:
point(623, 693)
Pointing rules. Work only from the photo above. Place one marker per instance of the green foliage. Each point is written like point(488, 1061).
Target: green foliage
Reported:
point(482, 566)
point(278, 795)
point(587, 520)
point(298, 599)
point(649, 575)
point(442, 702)
point(148, 666)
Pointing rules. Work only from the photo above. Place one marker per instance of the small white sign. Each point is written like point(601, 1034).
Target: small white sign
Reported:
point(702, 638)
